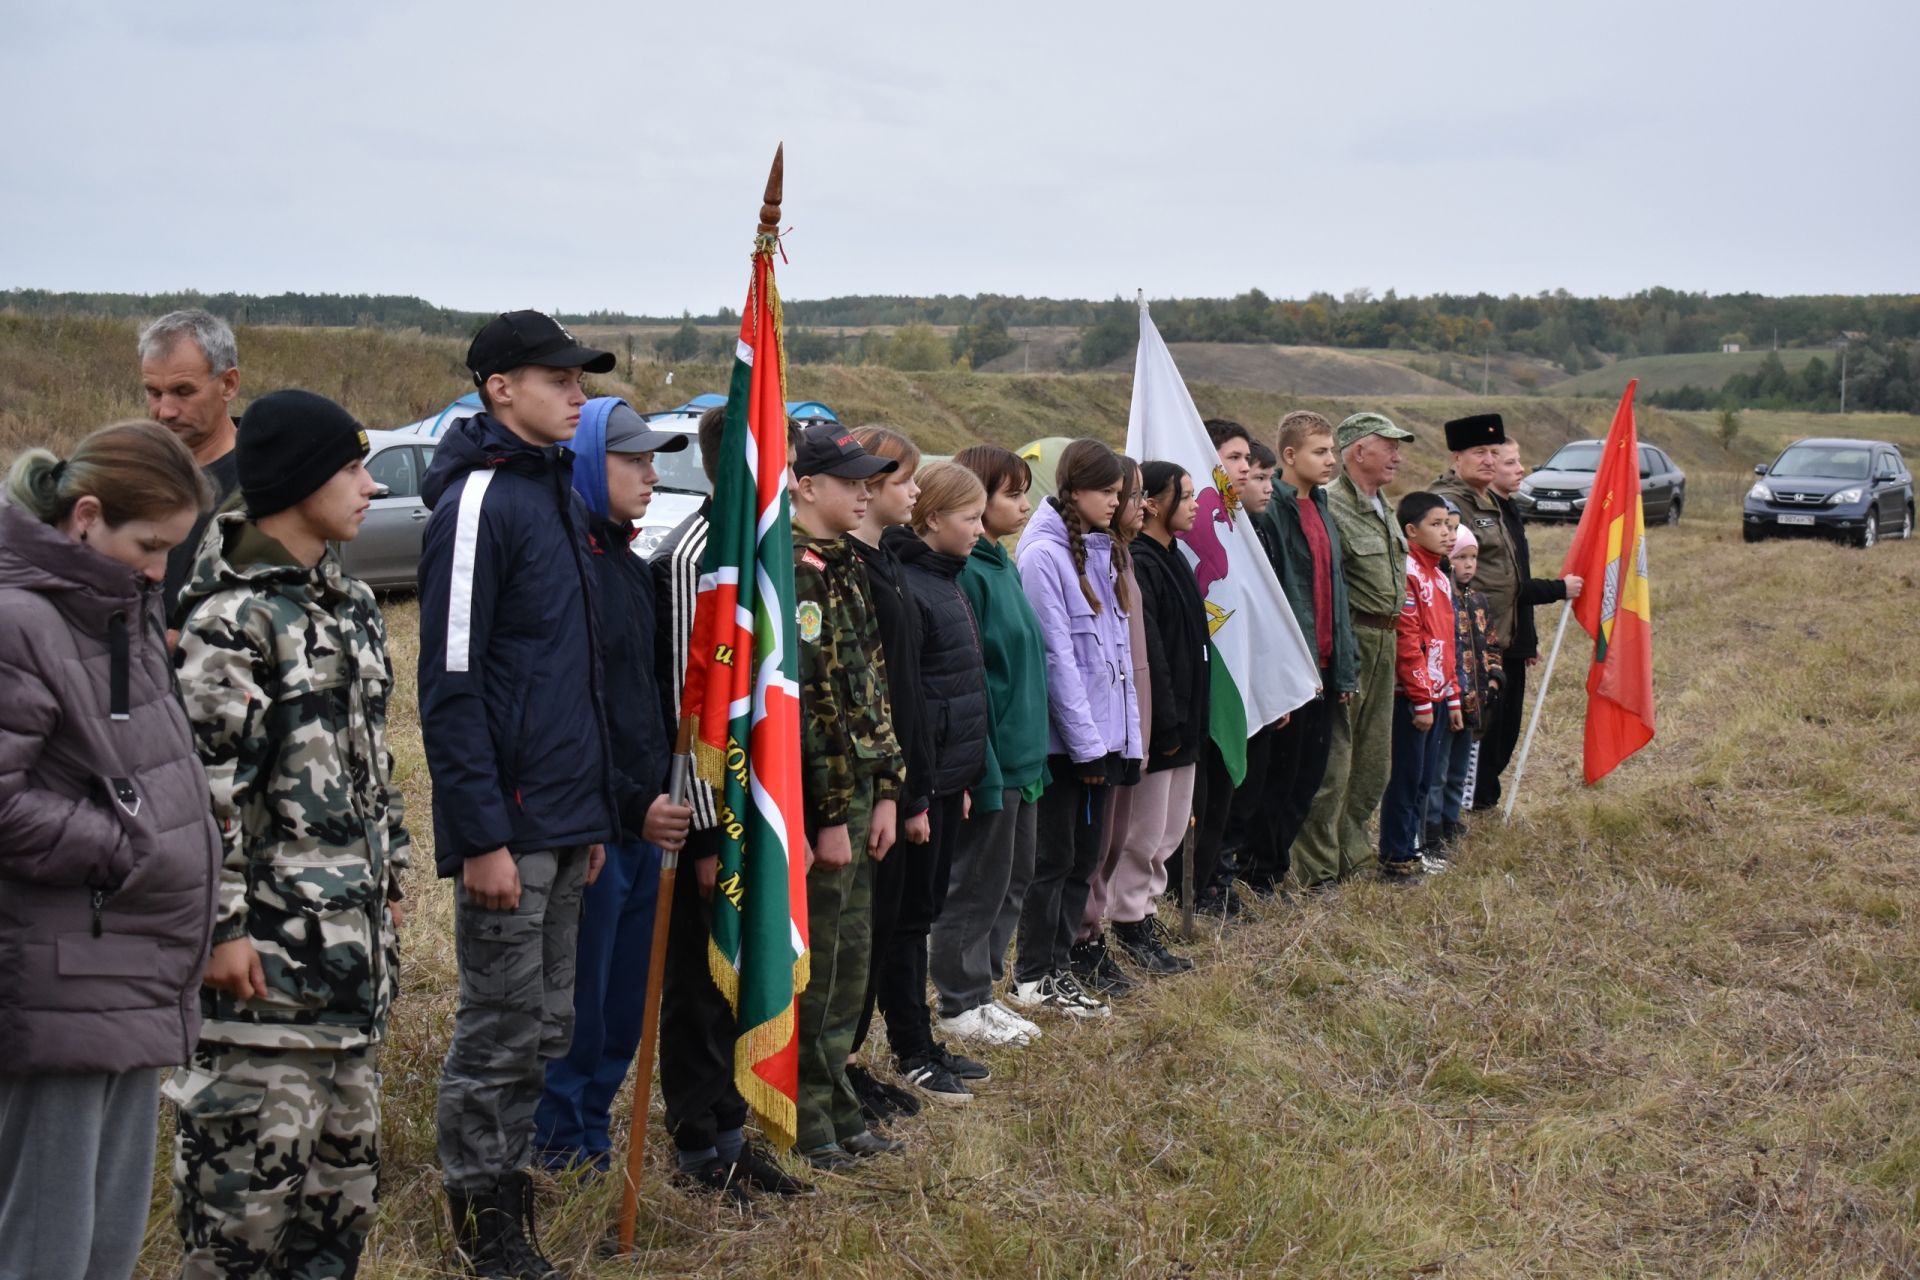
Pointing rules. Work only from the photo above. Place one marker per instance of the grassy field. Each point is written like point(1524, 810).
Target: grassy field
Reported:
point(1669, 1026)
point(1668, 373)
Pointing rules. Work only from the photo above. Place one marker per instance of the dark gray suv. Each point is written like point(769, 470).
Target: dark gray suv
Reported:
point(1855, 490)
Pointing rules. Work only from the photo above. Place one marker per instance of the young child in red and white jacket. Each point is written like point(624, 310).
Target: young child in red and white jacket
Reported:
point(1424, 684)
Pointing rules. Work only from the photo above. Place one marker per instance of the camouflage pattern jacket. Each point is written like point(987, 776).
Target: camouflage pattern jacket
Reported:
point(1477, 645)
point(285, 675)
point(846, 734)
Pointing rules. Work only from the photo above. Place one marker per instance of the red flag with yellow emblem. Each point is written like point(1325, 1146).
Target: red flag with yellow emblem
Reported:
point(1610, 553)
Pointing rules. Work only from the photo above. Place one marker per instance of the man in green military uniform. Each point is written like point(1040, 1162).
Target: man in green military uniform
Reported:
point(1477, 443)
point(850, 777)
point(1333, 844)
point(285, 675)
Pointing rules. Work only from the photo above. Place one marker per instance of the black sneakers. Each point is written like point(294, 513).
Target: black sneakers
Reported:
point(965, 1069)
point(716, 1177)
point(880, 1101)
point(931, 1078)
point(758, 1170)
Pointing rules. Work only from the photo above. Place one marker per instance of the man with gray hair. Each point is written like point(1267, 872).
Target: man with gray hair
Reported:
point(191, 373)
point(1333, 844)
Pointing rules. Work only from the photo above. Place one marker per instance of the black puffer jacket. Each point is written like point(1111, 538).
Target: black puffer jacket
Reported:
point(1177, 641)
point(953, 667)
point(899, 620)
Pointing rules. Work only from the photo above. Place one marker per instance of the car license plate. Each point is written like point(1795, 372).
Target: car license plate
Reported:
point(1801, 520)
point(1554, 506)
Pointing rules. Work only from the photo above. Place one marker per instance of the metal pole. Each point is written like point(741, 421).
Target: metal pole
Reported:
point(1186, 880)
point(1539, 701)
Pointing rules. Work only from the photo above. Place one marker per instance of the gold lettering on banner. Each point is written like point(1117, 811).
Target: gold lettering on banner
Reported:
point(723, 654)
point(730, 888)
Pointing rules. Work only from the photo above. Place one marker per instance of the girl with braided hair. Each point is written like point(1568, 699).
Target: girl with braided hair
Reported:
point(1070, 569)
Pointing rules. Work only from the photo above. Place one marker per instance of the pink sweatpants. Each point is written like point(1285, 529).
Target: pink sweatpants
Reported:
point(1156, 810)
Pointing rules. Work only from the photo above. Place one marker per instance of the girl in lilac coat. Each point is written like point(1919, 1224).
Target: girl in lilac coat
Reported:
point(1072, 571)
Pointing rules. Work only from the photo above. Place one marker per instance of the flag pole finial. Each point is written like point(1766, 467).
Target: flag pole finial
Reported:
point(776, 178)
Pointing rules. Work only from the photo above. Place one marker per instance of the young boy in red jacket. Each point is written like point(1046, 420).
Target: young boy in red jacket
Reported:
point(1424, 683)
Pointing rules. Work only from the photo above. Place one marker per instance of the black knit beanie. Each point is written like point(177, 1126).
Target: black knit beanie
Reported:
point(291, 443)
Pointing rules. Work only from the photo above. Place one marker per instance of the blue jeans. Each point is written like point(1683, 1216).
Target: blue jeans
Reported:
point(1417, 760)
point(609, 1002)
point(1450, 784)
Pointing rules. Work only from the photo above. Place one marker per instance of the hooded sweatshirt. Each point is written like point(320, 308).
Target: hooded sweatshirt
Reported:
point(1016, 669)
point(637, 727)
point(1092, 712)
point(108, 867)
point(511, 704)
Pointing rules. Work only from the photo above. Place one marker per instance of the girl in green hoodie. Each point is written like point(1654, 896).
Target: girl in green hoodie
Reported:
point(993, 860)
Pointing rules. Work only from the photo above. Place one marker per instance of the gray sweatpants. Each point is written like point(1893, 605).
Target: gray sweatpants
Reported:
point(992, 865)
point(76, 1173)
point(515, 1015)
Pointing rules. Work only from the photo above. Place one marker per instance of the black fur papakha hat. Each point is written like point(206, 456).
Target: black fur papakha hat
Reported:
point(1475, 430)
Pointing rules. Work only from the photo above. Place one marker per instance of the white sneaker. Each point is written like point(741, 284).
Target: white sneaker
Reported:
point(978, 1024)
point(1066, 995)
point(1007, 1017)
point(1029, 995)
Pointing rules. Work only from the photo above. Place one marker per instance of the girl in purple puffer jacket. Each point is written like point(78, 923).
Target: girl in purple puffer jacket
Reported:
point(1072, 570)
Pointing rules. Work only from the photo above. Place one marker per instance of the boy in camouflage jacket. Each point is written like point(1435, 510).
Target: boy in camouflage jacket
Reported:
point(850, 777)
point(284, 672)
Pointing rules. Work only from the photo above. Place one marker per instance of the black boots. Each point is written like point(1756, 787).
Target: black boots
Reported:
point(1093, 964)
point(494, 1232)
point(1141, 943)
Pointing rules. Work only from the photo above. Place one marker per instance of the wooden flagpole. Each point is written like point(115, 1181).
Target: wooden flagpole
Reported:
point(677, 785)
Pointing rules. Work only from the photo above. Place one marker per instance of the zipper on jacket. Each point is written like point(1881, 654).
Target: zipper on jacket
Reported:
point(118, 694)
point(99, 905)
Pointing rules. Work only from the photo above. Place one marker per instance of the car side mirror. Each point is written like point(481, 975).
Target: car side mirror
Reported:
point(381, 491)
point(1759, 468)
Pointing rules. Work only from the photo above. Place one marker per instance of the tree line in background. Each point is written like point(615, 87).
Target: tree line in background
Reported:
point(1574, 332)
point(1880, 377)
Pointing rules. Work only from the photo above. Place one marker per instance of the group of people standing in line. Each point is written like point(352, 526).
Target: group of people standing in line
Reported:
point(1004, 758)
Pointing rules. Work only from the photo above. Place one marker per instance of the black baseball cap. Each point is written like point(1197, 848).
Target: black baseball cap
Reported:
point(829, 449)
point(516, 338)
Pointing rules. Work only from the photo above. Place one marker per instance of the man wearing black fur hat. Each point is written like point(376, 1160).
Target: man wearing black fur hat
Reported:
point(1475, 444)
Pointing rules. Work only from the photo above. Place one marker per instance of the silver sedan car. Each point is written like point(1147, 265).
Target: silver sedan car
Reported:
point(386, 555)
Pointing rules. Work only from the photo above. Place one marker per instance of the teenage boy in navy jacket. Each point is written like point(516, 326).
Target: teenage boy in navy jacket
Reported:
point(510, 711)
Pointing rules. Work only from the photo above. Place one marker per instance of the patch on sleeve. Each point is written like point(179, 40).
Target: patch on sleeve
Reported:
point(812, 560)
point(1479, 522)
point(808, 619)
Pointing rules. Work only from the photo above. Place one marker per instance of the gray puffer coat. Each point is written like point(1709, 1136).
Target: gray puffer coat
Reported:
point(108, 851)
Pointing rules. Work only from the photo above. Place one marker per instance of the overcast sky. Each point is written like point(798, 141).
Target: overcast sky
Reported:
point(611, 155)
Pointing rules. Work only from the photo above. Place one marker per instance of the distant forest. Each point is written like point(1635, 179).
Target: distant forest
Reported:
point(1574, 332)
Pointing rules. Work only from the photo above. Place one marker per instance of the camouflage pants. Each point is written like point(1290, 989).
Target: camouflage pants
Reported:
point(276, 1160)
point(840, 935)
point(515, 1015)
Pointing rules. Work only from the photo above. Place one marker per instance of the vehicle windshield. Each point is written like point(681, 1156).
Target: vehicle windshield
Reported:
point(681, 472)
point(1584, 456)
point(1823, 462)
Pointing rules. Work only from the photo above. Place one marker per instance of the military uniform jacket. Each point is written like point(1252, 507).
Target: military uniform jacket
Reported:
point(285, 675)
point(1504, 562)
point(1373, 550)
point(846, 734)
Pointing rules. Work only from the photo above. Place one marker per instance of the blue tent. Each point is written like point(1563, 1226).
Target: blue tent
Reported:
point(433, 426)
point(799, 410)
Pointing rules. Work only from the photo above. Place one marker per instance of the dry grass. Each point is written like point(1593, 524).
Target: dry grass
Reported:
point(1664, 1027)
